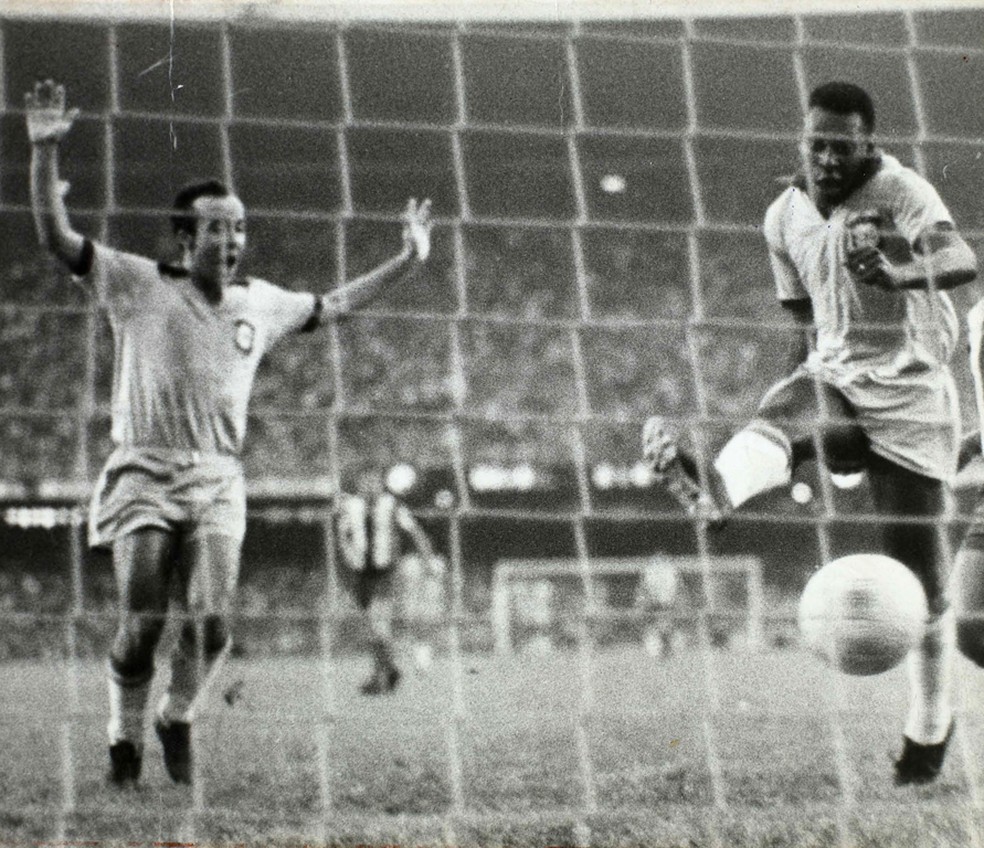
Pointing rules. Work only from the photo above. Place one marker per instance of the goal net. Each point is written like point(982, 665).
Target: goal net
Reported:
point(599, 182)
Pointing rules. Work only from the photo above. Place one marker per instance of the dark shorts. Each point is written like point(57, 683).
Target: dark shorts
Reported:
point(365, 585)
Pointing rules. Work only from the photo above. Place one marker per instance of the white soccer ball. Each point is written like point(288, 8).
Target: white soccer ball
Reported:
point(423, 656)
point(862, 613)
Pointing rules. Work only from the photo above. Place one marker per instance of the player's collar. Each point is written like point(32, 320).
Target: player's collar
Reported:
point(168, 270)
point(176, 272)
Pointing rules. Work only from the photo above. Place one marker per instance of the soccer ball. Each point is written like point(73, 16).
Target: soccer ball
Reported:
point(423, 656)
point(863, 613)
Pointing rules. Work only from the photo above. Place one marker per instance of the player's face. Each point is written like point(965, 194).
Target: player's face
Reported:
point(220, 239)
point(835, 150)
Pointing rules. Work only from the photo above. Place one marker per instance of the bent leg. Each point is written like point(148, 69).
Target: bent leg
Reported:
point(142, 561)
point(376, 599)
point(800, 418)
point(210, 570)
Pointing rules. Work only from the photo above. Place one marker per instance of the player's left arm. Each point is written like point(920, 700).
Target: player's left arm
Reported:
point(940, 259)
point(421, 541)
point(306, 311)
point(934, 256)
point(417, 226)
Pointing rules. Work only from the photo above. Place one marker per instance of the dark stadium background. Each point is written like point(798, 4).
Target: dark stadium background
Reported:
point(154, 117)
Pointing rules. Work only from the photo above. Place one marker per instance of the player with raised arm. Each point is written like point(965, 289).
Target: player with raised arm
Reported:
point(170, 502)
point(862, 248)
point(371, 524)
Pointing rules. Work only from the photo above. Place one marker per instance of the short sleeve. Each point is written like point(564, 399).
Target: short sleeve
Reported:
point(917, 206)
point(115, 278)
point(784, 273)
point(286, 312)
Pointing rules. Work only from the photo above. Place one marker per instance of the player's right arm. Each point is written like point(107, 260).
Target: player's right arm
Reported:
point(48, 121)
point(792, 294)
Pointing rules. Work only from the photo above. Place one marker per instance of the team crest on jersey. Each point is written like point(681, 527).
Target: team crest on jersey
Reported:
point(245, 336)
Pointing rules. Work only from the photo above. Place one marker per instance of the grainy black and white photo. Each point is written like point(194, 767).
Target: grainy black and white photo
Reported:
point(445, 423)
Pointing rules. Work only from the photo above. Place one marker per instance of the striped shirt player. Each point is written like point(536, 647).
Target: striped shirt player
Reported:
point(371, 528)
point(862, 249)
point(171, 502)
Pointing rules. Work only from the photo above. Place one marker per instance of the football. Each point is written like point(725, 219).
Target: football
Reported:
point(862, 613)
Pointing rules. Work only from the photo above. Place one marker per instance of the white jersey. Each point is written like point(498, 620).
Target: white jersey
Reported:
point(861, 327)
point(184, 367)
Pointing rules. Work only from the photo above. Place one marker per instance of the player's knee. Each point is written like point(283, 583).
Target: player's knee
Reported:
point(132, 656)
point(215, 635)
point(380, 620)
point(845, 449)
point(137, 637)
point(970, 638)
point(209, 633)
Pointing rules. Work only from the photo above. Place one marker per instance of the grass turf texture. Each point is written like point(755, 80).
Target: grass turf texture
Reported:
point(729, 749)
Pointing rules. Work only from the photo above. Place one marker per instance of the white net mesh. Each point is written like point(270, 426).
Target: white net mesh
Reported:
point(599, 189)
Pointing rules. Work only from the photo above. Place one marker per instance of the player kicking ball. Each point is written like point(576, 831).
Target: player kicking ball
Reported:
point(371, 525)
point(862, 248)
point(170, 502)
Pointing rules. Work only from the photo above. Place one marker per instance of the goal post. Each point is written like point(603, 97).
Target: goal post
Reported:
point(546, 596)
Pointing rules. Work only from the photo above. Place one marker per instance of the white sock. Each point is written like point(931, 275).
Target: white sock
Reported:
point(930, 680)
point(190, 679)
point(755, 460)
point(127, 710)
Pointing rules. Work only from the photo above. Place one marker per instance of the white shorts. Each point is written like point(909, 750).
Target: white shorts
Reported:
point(196, 493)
point(910, 415)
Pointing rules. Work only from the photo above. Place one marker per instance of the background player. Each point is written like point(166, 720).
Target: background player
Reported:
point(171, 500)
point(862, 247)
point(371, 525)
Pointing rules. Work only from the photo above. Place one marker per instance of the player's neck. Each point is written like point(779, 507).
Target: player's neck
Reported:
point(827, 205)
point(213, 290)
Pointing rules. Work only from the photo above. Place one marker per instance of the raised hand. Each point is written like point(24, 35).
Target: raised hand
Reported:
point(47, 118)
point(417, 226)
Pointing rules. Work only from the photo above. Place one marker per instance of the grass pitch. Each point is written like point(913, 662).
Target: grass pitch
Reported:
point(725, 749)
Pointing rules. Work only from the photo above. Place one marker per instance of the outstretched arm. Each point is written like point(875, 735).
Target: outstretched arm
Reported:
point(47, 123)
point(417, 226)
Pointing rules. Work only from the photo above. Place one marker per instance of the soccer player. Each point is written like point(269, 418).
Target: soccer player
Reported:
point(170, 502)
point(968, 572)
point(863, 248)
point(371, 525)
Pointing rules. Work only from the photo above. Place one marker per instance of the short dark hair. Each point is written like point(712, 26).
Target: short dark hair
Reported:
point(185, 199)
point(845, 98)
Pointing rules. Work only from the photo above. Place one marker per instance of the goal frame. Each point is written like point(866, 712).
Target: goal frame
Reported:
point(705, 568)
